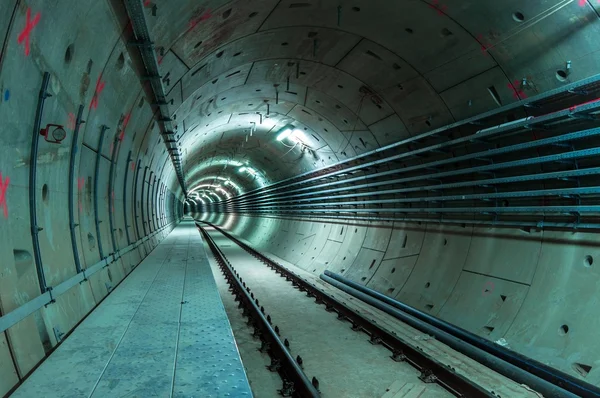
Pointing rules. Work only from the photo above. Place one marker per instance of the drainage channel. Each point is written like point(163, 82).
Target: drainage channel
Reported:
point(429, 371)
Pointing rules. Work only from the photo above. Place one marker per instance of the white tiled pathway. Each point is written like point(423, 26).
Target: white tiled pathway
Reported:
point(163, 332)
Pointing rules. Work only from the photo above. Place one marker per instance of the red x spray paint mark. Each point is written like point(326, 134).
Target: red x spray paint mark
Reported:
point(80, 183)
point(484, 46)
point(488, 288)
point(197, 20)
point(25, 35)
point(147, 3)
point(125, 123)
point(99, 87)
point(71, 121)
point(439, 8)
point(3, 188)
point(517, 93)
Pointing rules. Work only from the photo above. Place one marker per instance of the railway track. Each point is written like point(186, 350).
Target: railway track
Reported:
point(316, 355)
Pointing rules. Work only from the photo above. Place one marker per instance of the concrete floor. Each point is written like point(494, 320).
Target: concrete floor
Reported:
point(345, 363)
point(162, 333)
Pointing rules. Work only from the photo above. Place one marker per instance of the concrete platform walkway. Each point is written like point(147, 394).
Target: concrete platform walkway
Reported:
point(163, 332)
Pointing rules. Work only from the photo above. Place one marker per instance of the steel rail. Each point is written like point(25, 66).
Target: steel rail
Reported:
point(525, 124)
point(34, 227)
point(431, 370)
point(283, 362)
point(433, 165)
point(103, 130)
point(486, 182)
point(71, 189)
point(490, 167)
point(551, 375)
point(500, 195)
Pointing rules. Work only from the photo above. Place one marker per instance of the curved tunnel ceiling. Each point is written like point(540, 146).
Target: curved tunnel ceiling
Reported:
point(353, 77)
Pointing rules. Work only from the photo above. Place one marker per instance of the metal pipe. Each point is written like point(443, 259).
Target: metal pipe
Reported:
point(111, 194)
point(142, 201)
point(529, 103)
point(33, 184)
point(505, 368)
point(71, 190)
point(135, 189)
point(545, 372)
point(96, 177)
point(125, 198)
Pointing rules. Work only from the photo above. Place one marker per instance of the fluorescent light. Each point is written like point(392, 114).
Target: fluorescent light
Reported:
point(234, 163)
point(284, 134)
point(242, 169)
point(298, 136)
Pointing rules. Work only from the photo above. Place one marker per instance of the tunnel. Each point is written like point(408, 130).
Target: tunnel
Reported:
point(351, 198)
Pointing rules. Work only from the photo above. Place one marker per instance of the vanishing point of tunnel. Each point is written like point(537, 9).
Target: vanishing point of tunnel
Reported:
point(302, 198)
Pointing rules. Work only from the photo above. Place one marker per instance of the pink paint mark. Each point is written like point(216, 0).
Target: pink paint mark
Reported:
point(3, 188)
point(583, 3)
point(517, 93)
point(147, 3)
point(25, 35)
point(71, 121)
point(132, 166)
point(488, 288)
point(439, 8)
point(125, 124)
point(484, 47)
point(99, 87)
point(203, 17)
point(80, 183)
point(160, 59)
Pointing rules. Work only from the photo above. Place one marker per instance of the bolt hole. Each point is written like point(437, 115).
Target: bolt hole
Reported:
point(445, 242)
point(409, 30)
point(356, 9)
point(427, 285)
point(198, 44)
point(393, 270)
point(120, 61)
point(518, 16)
point(252, 15)
point(588, 261)
point(285, 43)
point(561, 75)
point(69, 53)
point(45, 193)
point(227, 13)
point(563, 330)
point(219, 54)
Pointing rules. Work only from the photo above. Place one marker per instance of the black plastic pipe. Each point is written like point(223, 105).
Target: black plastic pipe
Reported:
point(71, 191)
point(111, 194)
point(546, 380)
point(96, 177)
point(125, 198)
point(135, 189)
point(142, 201)
point(32, 184)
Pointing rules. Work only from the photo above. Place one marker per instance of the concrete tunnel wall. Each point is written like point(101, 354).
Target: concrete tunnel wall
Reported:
point(89, 65)
point(216, 69)
point(537, 290)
